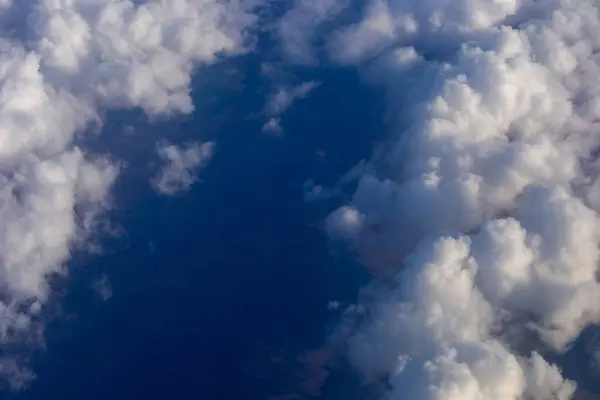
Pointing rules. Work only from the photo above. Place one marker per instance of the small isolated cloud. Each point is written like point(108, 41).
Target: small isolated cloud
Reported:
point(272, 126)
point(103, 288)
point(281, 100)
point(181, 166)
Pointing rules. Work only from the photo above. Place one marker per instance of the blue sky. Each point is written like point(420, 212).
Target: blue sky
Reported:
point(236, 263)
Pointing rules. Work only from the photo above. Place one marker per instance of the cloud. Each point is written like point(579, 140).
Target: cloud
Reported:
point(103, 288)
point(433, 24)
point(181, 164)
point(365, 38)
point(298, 29)
point(283, 97)
point(481, 213)
point(281, 100)
point(273, 126)
point(75, 60)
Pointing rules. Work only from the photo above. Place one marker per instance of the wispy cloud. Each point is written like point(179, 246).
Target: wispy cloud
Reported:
point(281, 100)
point(298, 29)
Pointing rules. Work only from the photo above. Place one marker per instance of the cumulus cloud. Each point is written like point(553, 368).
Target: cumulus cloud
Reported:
point(482, 210)
point(432, 24)
point(281, 100)
point(181, 165)
point(365, 38)
point(77, 59)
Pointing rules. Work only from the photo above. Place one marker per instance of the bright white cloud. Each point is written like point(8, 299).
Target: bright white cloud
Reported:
point(487, 214)
point(76, 59)
point(181, 165)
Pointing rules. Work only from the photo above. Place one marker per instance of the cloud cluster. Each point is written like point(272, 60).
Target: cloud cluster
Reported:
point(181, 165)
point(73, 60)
point(482, 209)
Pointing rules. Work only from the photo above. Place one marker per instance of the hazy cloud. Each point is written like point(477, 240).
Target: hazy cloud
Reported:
point(282, 99)
point(298, 29)
point(181, 165)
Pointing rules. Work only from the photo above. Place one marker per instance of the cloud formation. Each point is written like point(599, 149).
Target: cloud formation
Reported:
point(181, 165)
point(480, 213)
point(481, 210)
point(75, 60)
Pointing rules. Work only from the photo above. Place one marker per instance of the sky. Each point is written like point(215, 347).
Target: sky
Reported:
point(250, 199)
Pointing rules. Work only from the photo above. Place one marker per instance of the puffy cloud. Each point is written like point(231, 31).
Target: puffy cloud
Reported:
point(481, 211)
point(181, 166)
point(137, 55)
point(430, 23)
point(75, 60)
point(477, 371)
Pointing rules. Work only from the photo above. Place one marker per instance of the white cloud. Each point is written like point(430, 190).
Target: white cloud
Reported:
point(333, 305)
point(181, 165)
point(76, 59)
point(365, 38)
point(487, 213)
point(281, 100)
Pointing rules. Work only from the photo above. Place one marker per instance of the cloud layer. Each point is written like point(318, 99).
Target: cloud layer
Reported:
point(73, 60)
point(481, 210)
